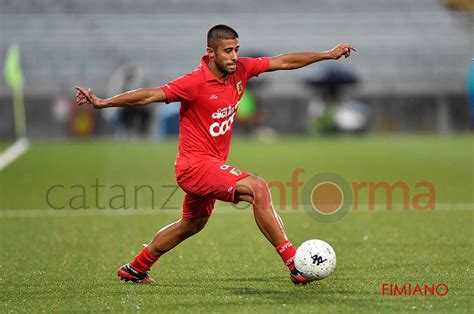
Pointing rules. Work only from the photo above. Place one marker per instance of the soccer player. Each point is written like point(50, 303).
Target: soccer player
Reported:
point(209, 99)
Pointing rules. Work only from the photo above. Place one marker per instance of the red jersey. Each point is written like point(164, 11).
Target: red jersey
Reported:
point(209, 106)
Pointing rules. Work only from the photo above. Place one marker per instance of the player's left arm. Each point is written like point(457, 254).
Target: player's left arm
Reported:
point(296, 60)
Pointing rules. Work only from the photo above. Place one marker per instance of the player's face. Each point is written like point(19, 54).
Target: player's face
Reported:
point(225, 55)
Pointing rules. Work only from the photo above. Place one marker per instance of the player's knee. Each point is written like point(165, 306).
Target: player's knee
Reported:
point(260, 189)
point(198, 225)
point(189, 228)
point(254, 190)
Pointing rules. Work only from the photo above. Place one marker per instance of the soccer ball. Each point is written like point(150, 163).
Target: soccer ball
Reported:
point(315, 259)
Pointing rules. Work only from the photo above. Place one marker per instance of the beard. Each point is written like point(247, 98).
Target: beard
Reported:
point(224, 67)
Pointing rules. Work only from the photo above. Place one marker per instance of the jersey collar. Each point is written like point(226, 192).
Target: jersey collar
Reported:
point(207, 73)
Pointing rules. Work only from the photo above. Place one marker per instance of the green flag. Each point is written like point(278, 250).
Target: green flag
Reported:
point(12, 70)
point(14, 78)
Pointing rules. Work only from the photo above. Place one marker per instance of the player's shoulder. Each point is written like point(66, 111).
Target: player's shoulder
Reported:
point(243, 64)
point(246, 60)
point(192, 78)
point(197, 75)
point(248, 63)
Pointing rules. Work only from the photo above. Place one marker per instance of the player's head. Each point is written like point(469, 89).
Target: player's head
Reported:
point(222, 47)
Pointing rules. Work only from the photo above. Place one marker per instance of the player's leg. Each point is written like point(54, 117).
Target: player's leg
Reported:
point(255, 190)
point(231, 184)
point(173, 234)
point(196, 213)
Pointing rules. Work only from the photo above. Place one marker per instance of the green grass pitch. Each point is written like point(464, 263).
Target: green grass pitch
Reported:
point(65, 259)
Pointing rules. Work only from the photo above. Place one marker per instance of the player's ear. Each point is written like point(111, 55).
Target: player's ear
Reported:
point(211, 52)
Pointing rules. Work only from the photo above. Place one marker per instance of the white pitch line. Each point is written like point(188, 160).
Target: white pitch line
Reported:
point(68, 212)
point(221, 210)
point(13, 152)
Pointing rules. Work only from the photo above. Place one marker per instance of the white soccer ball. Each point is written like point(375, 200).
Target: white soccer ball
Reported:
point(315, 259)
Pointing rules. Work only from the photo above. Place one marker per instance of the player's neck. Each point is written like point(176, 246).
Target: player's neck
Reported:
point(217, 72)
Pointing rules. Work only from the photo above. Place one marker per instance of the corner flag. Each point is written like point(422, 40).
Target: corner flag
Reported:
point(12, 70)
point(14, 78)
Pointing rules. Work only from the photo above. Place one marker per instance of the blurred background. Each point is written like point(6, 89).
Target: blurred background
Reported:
point(412, 71)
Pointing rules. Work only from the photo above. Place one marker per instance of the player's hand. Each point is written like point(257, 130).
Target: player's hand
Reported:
point(86, 96)
point(341, 50)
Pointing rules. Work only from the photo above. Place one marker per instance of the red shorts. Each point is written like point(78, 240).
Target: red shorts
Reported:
point(205, 182)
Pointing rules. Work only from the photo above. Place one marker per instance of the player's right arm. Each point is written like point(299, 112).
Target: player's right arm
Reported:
point(137, 97)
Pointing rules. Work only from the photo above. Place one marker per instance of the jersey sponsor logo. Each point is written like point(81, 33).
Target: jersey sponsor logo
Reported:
point(224, 112)
point(221, 128)
point(212, 97)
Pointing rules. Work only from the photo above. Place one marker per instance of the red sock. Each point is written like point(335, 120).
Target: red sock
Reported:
point(287, 253)
point(143, 261)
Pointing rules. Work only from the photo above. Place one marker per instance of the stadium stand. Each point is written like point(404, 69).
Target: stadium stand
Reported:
point(407, 46)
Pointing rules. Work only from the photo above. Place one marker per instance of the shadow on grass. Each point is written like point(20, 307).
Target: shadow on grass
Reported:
point(262, 279)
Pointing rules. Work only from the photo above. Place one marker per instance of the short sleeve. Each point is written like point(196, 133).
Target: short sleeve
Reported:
point(255, 66)
point(183, 88)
